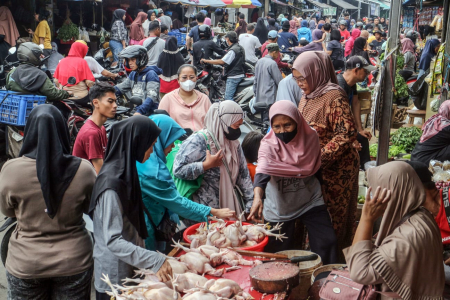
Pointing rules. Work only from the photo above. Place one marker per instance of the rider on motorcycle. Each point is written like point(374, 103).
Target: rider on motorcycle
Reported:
point(205, 47)
point(143, 81)
point(29, 78)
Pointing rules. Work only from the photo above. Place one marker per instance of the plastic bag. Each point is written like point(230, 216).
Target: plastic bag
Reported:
point(85, 35)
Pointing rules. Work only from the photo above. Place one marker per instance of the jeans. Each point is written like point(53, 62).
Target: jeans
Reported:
point(75, 287)
point(116, 47)
point(231, 86)
point(421, 72)
point(322, 237)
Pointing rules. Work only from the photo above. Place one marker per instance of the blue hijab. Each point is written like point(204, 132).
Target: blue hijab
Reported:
point(428, 54)
point(304, 23)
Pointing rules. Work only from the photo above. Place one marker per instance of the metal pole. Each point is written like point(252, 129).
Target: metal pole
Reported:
point(359, 9)
point(388, 95)
point(444, 36)
point(266, 7)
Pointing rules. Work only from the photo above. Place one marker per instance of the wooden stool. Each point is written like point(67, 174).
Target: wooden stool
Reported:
point(416, 114)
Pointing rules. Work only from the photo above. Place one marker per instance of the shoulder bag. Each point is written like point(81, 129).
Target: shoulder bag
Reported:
point(339, 286)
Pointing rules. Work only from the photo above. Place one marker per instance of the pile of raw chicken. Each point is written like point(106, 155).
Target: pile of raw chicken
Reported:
point(189, 269)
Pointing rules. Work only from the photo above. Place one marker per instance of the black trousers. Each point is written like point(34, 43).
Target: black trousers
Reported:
point(322, 237)
point(102, 296)
point(364, 154)
point(405, 74)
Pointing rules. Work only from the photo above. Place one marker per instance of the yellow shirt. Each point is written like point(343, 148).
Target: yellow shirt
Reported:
point(371, 39)
point(43, 31)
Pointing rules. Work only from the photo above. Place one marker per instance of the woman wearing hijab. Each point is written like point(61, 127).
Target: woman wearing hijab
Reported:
point(8, 32)
point(304, 32)
point(169, 61)
point(351, 41)
point(406, 259)
point(137, 31)
point(335, 50)
point(408, 50)
point(359, 48)
point(117, 208)
point(325, 107)
point(159, 192)
point(261, 31)
point(312, 24)
point(50, 252)
point(316, 35)
point(215, 153)
point(74, 65)
point(119, 35)
point(434, 142)
point(430, 51)
point(187, 106)
point(289, 156)
point(293, 27)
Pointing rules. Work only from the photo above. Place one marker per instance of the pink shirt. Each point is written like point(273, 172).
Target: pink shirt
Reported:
point(186, 115)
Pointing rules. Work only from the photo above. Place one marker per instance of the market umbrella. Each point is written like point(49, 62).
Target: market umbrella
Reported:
point(212, 3)
point(237, 3)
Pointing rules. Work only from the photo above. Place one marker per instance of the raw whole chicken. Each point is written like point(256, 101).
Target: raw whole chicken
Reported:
point(258, 232)
point(200, 295)
point(177, 266)
point(226, 288)
point(186, 281)
point(200, 264)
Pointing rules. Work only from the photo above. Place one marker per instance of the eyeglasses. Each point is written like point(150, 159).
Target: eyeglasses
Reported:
point(300, 79)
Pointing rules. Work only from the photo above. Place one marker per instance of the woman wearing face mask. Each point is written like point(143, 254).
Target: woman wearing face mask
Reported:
point(159, 192)
point(170, 60)
point(222, 169)
point(289, 157)
point(188, 107)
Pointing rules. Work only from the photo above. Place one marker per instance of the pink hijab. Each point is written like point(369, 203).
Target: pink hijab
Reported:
point(318, 70)
point(351, 41)
point(293, 27)
point(207, 21)
point(407, 46)
point(437, 122)
point(298, 158)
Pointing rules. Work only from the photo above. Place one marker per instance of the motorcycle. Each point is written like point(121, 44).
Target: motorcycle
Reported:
point(6, 67)
point(101, 58)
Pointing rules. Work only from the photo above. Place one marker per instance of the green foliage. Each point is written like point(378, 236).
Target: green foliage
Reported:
point(393, 150)
point(373, 149)
point(401, 88)
point(68, 31)
point(406, 137)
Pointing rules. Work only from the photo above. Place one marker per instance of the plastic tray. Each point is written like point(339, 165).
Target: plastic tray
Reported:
point(15, 108)
point(258, 247)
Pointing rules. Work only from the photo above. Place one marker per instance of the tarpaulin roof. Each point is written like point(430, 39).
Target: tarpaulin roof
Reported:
point(213, 3)
point(318, 4)
point(344, 4)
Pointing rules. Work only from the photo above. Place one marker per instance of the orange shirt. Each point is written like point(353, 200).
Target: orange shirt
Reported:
point(252, 169)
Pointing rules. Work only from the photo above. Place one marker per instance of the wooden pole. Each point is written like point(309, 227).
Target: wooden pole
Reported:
point(388, 95)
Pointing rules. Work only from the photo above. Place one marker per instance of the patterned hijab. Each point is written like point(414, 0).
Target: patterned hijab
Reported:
point(437, 122)
point(318, 70)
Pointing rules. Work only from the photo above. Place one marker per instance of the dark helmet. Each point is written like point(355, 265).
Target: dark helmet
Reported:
point(30, 53)
point(135, 51)
point(359, 24)
point(413, 35)
point(333, 21)
point(204, 31)
point(343, 22)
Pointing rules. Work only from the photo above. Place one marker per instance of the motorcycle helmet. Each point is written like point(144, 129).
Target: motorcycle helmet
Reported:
point(135, 51)
point(343, 22)
point(204, 31)
point(359, 24)
point(30, 53)
point(412, 35)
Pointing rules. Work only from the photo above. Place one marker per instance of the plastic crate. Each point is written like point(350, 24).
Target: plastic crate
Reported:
point(15, 108)
point(181, 37)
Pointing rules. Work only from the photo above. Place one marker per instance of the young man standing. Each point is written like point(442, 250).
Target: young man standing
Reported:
point(286, 39)
point(194, 34)
point(357, 68)
point(250, 43)
point(91, 140)
point(154, 44)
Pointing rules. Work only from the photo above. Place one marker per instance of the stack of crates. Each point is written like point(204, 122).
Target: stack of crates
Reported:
point(16, 107)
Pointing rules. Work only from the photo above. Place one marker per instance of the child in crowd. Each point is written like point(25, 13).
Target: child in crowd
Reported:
point(250, 147)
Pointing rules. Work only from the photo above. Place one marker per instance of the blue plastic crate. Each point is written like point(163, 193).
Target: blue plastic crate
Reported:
point(15, 108)
point(181, 37)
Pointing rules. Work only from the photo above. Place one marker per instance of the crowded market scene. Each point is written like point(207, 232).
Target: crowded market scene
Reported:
point(224, 149)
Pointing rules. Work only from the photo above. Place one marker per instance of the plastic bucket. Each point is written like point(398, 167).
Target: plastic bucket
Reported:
point(306, 270)
point(258, 247)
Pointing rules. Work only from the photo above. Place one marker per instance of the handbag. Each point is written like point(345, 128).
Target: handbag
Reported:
point(166, 229)
point(236, 189)
point(339, 286)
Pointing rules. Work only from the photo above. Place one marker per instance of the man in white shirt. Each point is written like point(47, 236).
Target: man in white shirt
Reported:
point(250, 43)
point(97, 69)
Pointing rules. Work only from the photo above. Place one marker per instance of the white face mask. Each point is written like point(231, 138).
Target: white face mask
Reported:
point(187, 85)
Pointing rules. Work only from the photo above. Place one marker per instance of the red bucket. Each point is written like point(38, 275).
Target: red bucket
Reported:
point(258, 247)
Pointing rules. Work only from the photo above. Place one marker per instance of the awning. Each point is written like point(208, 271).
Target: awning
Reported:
point(212, 3)
point(344, 4)
point(318, 4)
point(242, 3)
point(381, 4)
point(280, 3)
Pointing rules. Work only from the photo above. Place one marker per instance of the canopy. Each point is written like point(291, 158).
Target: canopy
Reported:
point(280, 3)
point(213, 3)
point(344, 4)
point(242, 3)
point(318, 4)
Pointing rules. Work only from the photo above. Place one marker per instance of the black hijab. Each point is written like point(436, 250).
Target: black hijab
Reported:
point(47, 140)
point(261, 31)
point(272, 25)
point(127, 144)
point(170, 60)
point(358, 48)
point(118, 16)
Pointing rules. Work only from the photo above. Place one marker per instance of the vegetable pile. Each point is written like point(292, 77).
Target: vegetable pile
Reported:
point(393, 150)
point(361, 199)
point(68, 32)
point(406, 138)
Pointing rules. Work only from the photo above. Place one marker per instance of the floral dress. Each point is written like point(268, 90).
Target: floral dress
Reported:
point(331, 117)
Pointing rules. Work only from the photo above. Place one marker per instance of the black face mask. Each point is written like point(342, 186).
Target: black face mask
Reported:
point(233, 134)
point(286, 137)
